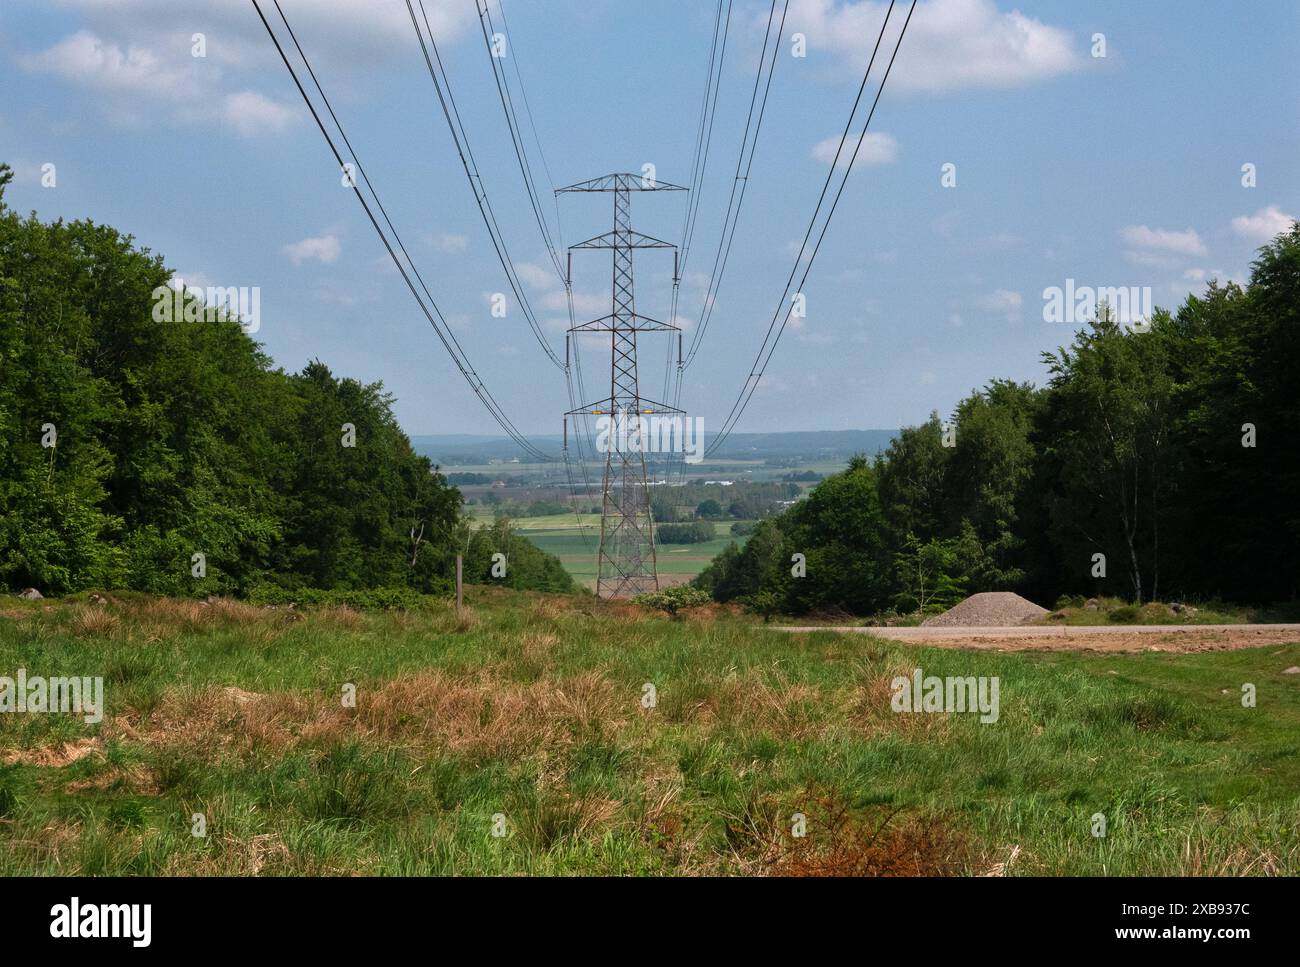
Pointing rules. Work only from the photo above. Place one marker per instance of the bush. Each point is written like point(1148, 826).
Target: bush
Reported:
point(742, 528)
point(766, 603)
point(673, 600)
point(1123, 615)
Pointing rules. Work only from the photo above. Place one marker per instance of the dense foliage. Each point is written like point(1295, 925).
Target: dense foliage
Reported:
point(129, 446)
point(1169, 450)
point(696, 532)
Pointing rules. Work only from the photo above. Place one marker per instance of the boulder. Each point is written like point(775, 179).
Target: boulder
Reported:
point(31, 594)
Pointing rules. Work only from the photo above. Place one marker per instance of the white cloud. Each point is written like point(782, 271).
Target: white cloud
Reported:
point(350, 35)
point(534, 275)
point(878, 148)
point(585, 304)
point(251, 113)
point(1004, 301)
point(1163, 240)
point(134, 57)
point(323, 248)
point(135, 83)
point(1264, 225)
point(950, 44)
point(87, 59)
point(451, 244)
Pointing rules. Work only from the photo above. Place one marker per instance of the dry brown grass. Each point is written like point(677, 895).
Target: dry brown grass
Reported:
point(94, 621)
point(479, 717)
point(339, 616)
point(537, 648)
point(54, 756)
point(547, 609)
point(840, 843)
point(751, 705)
point(565, 816)
point(138, 778)
point(234, 855)
point(871, 711)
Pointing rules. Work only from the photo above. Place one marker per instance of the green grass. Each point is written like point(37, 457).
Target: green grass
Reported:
point(577, 551)
point(530, 708)
point(1114, 611)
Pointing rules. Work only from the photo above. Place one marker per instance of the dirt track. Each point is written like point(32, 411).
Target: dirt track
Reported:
point(1174, 638)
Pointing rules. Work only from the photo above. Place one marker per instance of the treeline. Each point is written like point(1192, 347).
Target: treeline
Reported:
point(739, 500)
point(696, 532)
point(1160, 463)
point(173, 458)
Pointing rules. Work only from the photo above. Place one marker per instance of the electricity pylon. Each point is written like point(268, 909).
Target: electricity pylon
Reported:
point(626, 564)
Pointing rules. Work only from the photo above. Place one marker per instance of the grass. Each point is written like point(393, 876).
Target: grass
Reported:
point(577, 551)
point(529, 709)
point(1115, 611)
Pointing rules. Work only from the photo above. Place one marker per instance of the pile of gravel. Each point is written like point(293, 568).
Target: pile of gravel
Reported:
point(992, 609)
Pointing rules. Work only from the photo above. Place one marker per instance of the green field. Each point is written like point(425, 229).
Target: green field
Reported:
point(576, 548)
point(525, 714)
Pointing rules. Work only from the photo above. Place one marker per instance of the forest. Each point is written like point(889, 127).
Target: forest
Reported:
point(174, 458)
point(1157, 462)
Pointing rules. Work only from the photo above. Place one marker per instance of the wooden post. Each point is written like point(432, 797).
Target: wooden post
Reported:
point(460, 584)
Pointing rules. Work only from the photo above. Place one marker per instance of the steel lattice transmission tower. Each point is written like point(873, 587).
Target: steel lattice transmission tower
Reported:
point(626, 559)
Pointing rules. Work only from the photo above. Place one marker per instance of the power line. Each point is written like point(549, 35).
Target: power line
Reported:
point(516, 134)
point(739, 182)
point(466, 154)
point(439, 324)
point(756, 374)
point(735, 199)
point(697, 172)
point(576, 396)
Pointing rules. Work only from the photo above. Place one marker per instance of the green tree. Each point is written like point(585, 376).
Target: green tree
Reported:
point(709, 509)
point(928, 575)
point(1108, 410)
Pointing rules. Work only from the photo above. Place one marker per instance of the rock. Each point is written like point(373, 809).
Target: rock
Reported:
point(1091, 605)
point(31, 594)
point(1293, 670)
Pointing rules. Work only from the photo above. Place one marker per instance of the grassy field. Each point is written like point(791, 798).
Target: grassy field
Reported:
point(527, 713)
point(576, 547)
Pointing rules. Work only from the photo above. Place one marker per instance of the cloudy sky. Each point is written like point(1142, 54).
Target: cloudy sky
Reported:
point(1122, 170)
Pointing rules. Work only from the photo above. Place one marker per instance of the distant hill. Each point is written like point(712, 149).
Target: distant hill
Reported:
point(807, 443)
point(460, 448)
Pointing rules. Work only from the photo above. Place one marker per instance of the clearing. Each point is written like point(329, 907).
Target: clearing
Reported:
point(534, 709)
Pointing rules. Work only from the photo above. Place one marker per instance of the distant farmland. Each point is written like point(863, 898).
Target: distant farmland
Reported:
point(575, 546)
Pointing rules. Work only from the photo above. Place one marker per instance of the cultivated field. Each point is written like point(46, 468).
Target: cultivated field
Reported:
point(527, 713)
point(576, 545)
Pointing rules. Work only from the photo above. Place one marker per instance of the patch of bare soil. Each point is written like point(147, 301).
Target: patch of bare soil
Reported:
point(1121, 638)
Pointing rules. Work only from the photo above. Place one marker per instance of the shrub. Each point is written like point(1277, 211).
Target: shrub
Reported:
point(1123, 615)
point(673, 600)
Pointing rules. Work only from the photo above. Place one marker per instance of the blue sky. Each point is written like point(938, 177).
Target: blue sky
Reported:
point(1117, 171)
